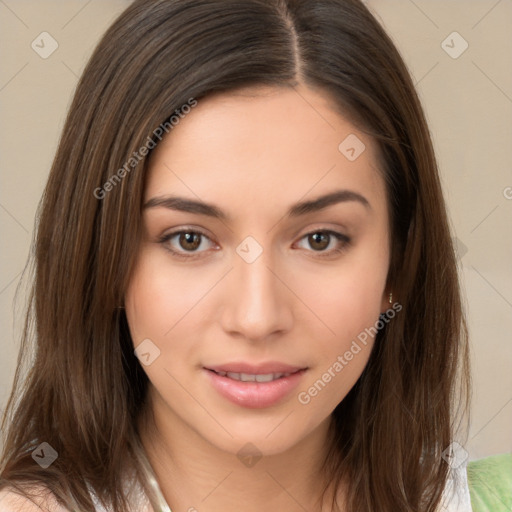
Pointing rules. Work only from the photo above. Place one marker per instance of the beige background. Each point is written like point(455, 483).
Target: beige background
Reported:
point(468, 101)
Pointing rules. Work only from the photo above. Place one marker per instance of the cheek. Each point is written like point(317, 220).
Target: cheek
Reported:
point(345, 299)
point(349, 312)
point(159, 298)
point(159, 307)
point(347, 302)
point(147, 307)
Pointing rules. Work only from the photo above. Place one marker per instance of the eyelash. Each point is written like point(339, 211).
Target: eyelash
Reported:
point(342, 239)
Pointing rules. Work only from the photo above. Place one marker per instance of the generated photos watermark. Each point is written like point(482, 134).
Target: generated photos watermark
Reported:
point(306, 396)
point(137, 156)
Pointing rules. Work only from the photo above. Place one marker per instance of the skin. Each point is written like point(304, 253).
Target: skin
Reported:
point(253, 154)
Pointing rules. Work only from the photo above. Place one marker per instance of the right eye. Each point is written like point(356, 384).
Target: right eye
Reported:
point(184, 243)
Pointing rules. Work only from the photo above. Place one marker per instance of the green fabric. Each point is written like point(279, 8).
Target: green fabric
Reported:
point(490, 483)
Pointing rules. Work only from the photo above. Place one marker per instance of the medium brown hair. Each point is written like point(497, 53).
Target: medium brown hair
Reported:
point(85, 390)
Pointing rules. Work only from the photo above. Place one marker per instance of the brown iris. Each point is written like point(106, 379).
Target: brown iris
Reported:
point(319, 240)
point(193, 240)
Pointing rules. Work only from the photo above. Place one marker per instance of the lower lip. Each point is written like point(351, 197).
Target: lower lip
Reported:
point(255, 395)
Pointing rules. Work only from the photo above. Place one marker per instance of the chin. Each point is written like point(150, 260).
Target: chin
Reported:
point(260, 436)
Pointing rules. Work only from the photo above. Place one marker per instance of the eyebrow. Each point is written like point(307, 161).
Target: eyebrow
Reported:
point(184, 204)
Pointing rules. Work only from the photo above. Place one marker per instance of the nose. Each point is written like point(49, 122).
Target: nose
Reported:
point(258, 303)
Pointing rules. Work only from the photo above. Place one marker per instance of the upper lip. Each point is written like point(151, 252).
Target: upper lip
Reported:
point(255, 369)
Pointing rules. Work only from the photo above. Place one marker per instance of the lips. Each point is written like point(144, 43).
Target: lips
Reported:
point(254, 386)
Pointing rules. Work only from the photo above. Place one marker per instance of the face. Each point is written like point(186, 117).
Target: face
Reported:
point(254, 308)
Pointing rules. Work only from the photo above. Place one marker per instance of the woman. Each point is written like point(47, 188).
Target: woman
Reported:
point(245, 287)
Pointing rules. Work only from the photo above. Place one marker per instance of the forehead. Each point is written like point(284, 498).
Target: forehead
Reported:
point(262, 145)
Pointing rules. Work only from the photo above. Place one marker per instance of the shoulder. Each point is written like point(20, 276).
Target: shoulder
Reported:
point(12, 501)
point(490, 483)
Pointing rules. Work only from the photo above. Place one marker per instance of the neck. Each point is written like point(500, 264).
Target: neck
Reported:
point(196, 476)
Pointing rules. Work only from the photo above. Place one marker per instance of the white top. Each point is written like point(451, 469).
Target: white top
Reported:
point(456, 497)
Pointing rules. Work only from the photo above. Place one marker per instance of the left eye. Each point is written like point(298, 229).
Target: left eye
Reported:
point(320, 240)
point(190, 241)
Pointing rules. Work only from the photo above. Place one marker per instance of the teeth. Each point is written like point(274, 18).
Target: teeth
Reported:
point(265, 378)
point(249, 377)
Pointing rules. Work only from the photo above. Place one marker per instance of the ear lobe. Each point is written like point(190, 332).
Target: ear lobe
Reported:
point(387, 300)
